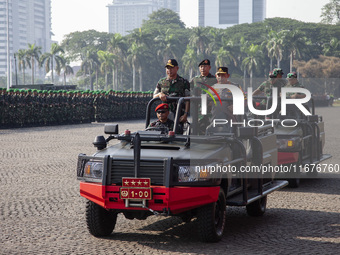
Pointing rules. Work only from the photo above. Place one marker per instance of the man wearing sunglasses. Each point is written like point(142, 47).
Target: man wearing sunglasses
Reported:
point(294, 83)
point(162, 111)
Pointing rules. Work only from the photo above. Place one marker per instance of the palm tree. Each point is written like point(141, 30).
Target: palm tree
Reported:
point(199, 38)
point(89, 64)
point(332, 48)
point(50, 57)
point(267, 44)
point(64, 65)
point(225, 54)
point(167, 45)
point(22, 59)
point(118, 47)
point(296, 42)
point(250, 63)
point(33, 53)
point(136, 58)
point(243, 49)
point(276, 44)
point(189, 60)
point(107, 64)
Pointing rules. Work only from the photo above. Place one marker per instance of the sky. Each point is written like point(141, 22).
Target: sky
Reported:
point(80, 15)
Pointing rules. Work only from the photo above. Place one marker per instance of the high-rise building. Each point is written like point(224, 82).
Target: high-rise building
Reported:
point(224, 13)
point(126, 15)
point(29, 22)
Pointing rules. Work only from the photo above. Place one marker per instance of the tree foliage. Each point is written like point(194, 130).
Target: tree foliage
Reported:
point(331, 12)
point(247, 49)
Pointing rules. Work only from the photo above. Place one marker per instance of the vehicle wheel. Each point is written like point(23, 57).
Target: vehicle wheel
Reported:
point(100, 222)
point(258, 207)
point(295, 182)
point(211, 219)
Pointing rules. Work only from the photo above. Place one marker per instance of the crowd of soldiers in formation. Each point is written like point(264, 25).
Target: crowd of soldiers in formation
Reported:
point(26, 108)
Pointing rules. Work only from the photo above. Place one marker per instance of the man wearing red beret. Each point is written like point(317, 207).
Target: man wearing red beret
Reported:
point(162, 111)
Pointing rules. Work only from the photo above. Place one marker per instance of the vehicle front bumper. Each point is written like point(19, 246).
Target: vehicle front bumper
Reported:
point(174, 200)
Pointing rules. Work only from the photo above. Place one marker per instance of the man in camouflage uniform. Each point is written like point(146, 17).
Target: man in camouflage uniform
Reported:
point(162, 111)
point(205, 78)
point(275, 80)
point(174, 86)
point(294, 83)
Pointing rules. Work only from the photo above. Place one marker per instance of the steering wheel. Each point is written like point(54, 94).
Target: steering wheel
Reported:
point(162, 129)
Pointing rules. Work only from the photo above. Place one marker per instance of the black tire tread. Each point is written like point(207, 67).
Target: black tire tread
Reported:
point(206, 221)
point(100, 222)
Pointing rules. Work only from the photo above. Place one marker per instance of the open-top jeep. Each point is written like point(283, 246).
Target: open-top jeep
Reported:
point(160, 172)
point(301, 145)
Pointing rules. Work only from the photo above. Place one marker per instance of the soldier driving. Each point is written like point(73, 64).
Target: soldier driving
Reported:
point(162, 111)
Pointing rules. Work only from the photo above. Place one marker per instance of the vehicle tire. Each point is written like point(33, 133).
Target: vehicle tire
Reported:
point(295, 182)
point(258, 207)
point(100, 222)
point(211, 219)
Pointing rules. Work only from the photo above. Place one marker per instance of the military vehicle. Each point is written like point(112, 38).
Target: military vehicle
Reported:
point(301, 146)
point(159, 172)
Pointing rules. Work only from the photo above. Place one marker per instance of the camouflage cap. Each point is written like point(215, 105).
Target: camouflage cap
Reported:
point(278, 71)
point(292, 75)
point(273, 74)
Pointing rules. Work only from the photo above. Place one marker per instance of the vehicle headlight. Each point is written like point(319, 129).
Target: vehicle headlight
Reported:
point(288, 143)
point(93, 169)
point(191, 174)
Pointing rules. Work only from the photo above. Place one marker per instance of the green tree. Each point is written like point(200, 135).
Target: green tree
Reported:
point(199, 39)
point(275, 45)
point(330, 12)
point(78, 42)
point(332, 48)
point(295, 42)
point(189, 60)
point(118, 47)
point(22, 61)
point(64, 65)
point(89, 65)
point(107, 64)
point(50, 57)
point(163, 18)
point(251, 62)
point(167, 45)
point(136, 58)
point(33, 53)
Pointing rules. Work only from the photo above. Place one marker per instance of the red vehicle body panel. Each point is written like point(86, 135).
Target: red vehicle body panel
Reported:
point(287, 157)
point(174, 199)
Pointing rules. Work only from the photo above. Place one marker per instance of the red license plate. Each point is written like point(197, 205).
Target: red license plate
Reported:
point(136, 182)
point(136, 193)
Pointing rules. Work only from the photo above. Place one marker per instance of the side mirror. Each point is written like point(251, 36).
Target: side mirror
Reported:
point(313, 118)
point(111, 129)
point(246, 132)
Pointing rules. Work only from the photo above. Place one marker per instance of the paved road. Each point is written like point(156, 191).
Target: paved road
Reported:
point(41, 211)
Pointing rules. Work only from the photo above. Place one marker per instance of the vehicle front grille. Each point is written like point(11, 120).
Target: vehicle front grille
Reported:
point(155, 170)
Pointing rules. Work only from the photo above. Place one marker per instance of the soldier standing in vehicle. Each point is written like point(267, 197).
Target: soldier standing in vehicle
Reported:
point(175, 86)
point(222, 76)
point(294, 83)
point(205, 78)
point(274, 81)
